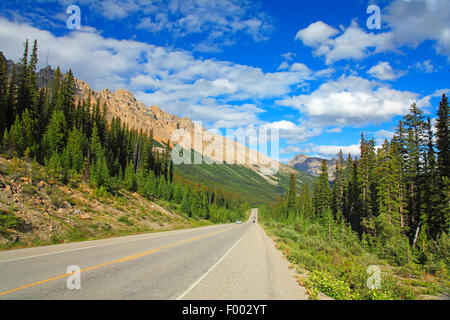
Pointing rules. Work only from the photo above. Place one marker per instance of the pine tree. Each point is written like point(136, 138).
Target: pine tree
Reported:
point(11, 100)
point(130, 177)
point(322, 194)
point(3, 92)
point(367, 179)
point(305, 202)
point(339, 186)
point(441, 217)
point(443, 138)
point(23, 94)
point(415, 152)
point(388, 189)
point(75, 146)
point(55, 135)
point(67, 98)
point(186, 202)
point(291, 197)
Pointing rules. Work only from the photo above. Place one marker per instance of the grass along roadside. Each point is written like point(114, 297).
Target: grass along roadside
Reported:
point(335, 263)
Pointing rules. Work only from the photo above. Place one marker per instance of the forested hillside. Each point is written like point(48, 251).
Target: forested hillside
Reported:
point(75, 142)
point(389, 206)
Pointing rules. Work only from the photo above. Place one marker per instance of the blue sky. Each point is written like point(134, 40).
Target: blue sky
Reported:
point(312, 69)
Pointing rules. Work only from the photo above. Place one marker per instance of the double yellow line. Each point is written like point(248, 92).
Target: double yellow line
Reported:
point(135, 256)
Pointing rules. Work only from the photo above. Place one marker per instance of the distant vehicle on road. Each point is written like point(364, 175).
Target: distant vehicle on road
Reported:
point(239, 222)
point(253, 220)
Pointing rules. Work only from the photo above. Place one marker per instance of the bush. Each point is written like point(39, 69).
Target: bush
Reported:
point(7, 221)
point(329, 285)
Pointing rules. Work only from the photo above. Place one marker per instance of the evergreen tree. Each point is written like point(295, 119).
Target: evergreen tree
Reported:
point(11, 100)
point(441, 216)
point(291, 197)
point(75, 146)
point(130, 177)
point(322, 194)
point(3, 92)
point(54, 137)
point(339, 187)
point(443, 138)
point(186, 203)
point(388, 188)
point(23, 94)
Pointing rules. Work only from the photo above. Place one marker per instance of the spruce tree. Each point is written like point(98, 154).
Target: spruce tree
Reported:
point(291, 197)
point(3, 92)
point(441, 217)
point(443, 138)
point(55, 135)
point(322, 194)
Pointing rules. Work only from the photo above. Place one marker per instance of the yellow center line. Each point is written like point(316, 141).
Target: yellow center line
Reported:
point(135, 256)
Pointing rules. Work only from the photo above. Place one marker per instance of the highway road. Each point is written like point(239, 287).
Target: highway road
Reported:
point(229, 261)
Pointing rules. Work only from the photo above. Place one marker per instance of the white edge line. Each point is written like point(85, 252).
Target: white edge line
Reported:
point(150, 236)
point(211, 269)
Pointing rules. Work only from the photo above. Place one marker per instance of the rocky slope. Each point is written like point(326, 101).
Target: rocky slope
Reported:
point(312, 165)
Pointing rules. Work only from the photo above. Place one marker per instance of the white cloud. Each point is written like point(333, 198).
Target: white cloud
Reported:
point(351, 100)
point(382, 135)
point(290, 149)
point(353, 43)
point(384, 71)
point(283, 66)
point(424, 66)
point(316, 34)
point(332, 151)
point(334, 130)
point(292, 132)
point(288, 56)
point(415, 21)
point(215, 24)
point(410, 23)
point(173, 79)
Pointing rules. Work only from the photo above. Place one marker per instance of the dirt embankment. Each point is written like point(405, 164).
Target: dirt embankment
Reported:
point(37, 211)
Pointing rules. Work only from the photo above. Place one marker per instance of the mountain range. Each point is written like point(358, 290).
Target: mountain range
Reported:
point(312, 165)
point(259, 180)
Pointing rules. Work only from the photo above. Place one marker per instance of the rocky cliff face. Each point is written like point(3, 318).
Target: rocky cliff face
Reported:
point(122, 104)
point(312, 165)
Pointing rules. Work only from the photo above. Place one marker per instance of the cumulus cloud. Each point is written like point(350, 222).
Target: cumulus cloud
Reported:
point(351, 100)
point(424, 66)
point(217, 22)
point(316, 34)
point(332, 151)
point(203, 89)
point(430, 20)
point(354, 42)
point(292, 132)
point(384, 71)
point(290, 149)
point(382, 135)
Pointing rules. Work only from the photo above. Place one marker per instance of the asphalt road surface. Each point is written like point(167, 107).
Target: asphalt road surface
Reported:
point(230, 261)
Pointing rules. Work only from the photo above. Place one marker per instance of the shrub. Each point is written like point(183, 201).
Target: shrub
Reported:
point(330, 285)
point(7, 221)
